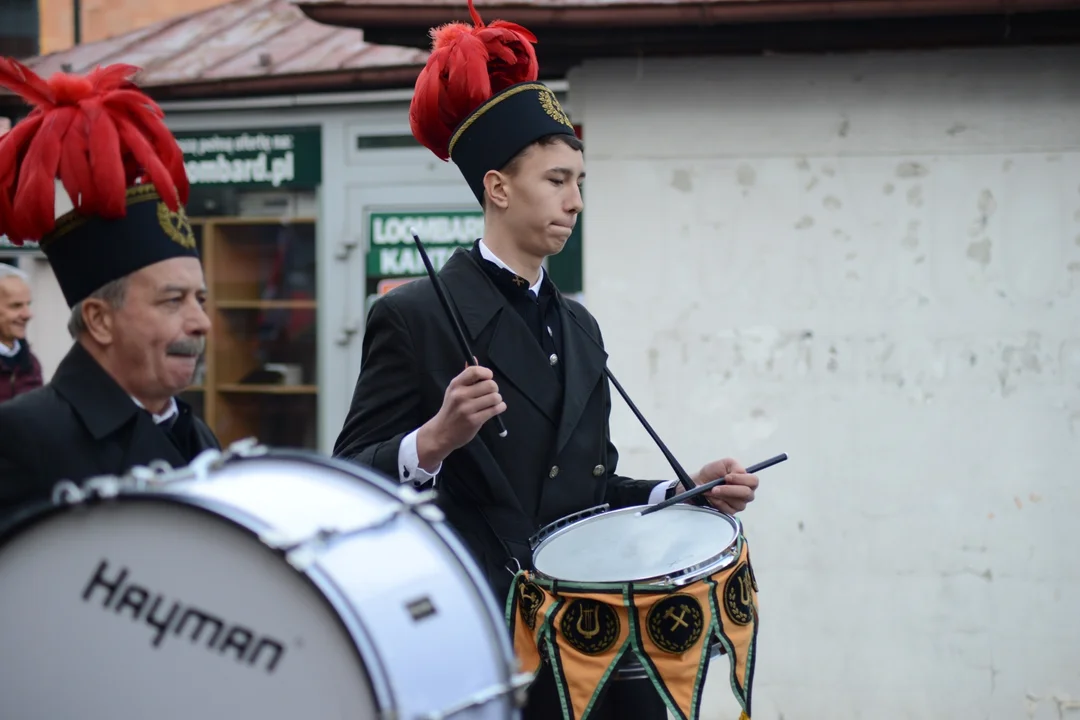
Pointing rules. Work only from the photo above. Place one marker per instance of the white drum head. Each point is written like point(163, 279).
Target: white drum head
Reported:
point(154, 609)
point(622, 546)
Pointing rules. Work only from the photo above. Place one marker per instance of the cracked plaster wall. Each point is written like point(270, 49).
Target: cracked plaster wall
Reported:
point(871, 262)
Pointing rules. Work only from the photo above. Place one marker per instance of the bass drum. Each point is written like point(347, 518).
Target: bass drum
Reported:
point(250, 584)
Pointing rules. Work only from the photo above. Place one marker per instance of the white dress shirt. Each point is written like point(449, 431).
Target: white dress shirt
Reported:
point(170, 411)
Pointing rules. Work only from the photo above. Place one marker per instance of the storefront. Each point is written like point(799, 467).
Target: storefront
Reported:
point(302, 206)
point(254, 210)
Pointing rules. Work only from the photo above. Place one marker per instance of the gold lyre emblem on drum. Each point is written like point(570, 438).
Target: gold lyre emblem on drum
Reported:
point(587, 624)
point(675, 624)
point(530, 597)
point(591, 627)
point(739, 595)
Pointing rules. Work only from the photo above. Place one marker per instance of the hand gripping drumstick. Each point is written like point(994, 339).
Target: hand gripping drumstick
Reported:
point(705, 487)
point(469, 358)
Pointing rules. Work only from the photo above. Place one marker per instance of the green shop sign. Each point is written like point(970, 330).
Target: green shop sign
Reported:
point(248, 159)
point(392, 251)
point(274, 158)
point(7, 247)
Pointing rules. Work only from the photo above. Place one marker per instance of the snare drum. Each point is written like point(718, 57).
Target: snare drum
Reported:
point(250, 584)
point(615, 595)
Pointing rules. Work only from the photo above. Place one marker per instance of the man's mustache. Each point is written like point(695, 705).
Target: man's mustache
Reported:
point(188, 347)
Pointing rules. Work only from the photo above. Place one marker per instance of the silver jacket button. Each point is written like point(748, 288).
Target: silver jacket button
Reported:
point(554, 471)
point(598, 470)
point(553, 359)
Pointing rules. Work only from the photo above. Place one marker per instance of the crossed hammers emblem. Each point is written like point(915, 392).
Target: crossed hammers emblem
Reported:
point(679, 619)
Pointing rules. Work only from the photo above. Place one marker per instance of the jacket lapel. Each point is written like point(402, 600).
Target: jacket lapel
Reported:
point(586, 360)
point(511, 348)
point(104, 409)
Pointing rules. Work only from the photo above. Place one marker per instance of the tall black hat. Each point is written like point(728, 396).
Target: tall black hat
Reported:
point(123, 171)
point(478, 102)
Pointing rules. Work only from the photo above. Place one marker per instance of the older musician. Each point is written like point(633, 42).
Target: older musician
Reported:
point(20, 370)
point(127, 264)
point(420, 415)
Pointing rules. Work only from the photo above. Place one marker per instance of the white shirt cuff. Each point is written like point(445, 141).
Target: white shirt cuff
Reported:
point(409, 470)
point(660, 490)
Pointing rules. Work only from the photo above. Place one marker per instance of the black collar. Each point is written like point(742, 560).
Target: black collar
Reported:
point(510, 283)
point(97, 398)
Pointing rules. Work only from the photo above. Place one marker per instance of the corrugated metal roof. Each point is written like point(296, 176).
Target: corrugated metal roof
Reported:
point(572, 31)
point(877, 6)
point(370, 13)
point(239, 43)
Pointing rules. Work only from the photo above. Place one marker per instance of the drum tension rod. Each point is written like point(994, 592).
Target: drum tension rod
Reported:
point(301, 551)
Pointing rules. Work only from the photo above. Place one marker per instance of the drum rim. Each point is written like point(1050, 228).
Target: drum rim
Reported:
point(687, 575)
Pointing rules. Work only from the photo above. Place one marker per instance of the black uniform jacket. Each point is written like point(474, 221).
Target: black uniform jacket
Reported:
point(557, 458)
point(83, 424)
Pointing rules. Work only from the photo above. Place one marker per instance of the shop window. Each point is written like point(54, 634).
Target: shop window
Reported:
point(19, 28)
point(254, 212)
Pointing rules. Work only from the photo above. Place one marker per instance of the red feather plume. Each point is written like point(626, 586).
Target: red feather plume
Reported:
point(467, 65)
point(99, 134)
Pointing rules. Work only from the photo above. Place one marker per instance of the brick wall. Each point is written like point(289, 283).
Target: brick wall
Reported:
point(108, 18)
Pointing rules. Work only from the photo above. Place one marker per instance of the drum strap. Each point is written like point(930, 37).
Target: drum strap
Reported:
point(510, 529)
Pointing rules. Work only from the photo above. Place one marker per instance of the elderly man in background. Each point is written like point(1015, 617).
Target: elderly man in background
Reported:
point(126, 260)
point(20, 370)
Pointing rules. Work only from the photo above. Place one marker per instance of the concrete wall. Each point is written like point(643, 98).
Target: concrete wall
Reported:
point(871, 262)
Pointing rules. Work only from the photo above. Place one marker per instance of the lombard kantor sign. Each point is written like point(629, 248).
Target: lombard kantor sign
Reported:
point(392, 251)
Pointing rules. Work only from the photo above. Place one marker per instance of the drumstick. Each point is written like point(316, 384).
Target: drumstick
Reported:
point(470, 359)
point(705, 487)
point(679, 472)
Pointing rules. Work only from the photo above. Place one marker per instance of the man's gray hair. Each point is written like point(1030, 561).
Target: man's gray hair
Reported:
point(113, 293)
point(7, 271)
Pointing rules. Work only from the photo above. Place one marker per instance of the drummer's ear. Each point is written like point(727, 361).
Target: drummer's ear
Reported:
point(495, 190)
point(99, 320)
